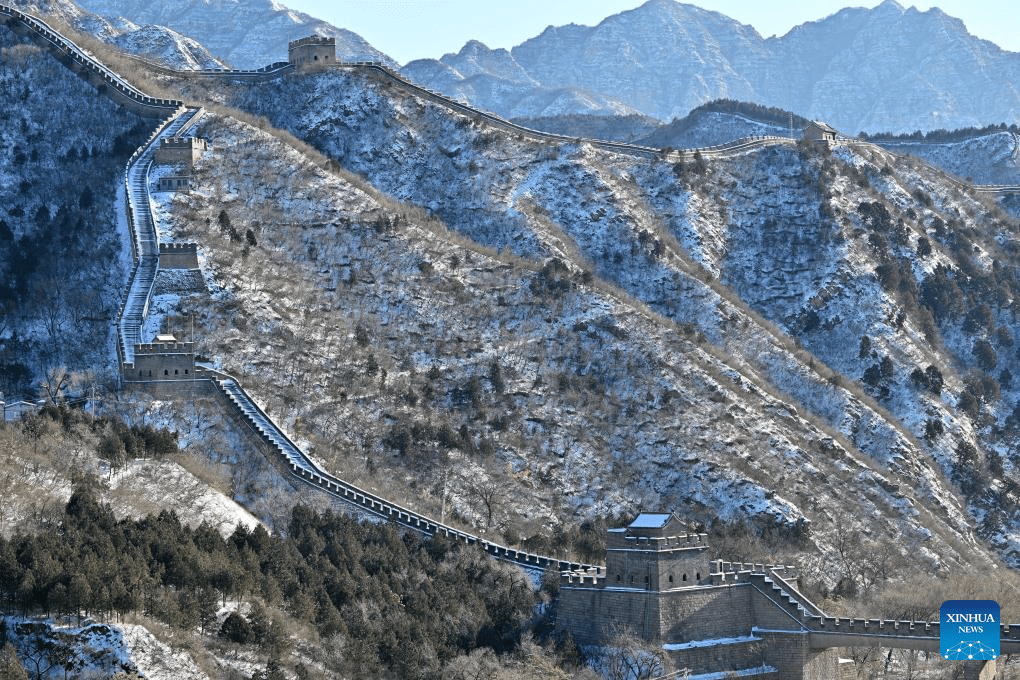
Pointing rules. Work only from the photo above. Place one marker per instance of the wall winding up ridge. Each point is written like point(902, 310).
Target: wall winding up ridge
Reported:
point(145, 249)
point(135, 307)
point(822, 631)
point(71, 55)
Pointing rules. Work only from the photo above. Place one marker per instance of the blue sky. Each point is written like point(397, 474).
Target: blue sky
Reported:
point(409, 29)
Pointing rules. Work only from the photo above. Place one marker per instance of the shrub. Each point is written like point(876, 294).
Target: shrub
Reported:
point(237, 629)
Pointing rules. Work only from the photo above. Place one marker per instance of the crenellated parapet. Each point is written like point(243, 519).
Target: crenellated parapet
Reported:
point(182, 150)
point(315, 50)
point(178, 256)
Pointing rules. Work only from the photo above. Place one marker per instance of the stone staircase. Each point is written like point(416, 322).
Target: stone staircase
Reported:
point(144, 240)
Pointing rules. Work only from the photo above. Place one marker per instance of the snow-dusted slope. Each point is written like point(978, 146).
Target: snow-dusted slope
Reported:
point(154, 42)
point(982, 159)
point(624, 361)
point(247, 34)
point(166, 46)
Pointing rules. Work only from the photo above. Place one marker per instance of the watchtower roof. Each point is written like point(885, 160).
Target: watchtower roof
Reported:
point(651, 520)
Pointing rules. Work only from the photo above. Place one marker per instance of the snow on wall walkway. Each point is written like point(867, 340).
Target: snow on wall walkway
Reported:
point(307, 471)
point(78, 60)
point(144, 240)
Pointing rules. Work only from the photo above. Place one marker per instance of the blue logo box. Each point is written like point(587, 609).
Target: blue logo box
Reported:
point(969, 630)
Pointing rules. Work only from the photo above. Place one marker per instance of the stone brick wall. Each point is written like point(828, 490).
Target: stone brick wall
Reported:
point(592, 615)
point(175, 183)
point(184, 150)
point(595, 615)
point(312, 51)
point(166, 361)
point(705, 613)
point(720, 658)
point(178, 256)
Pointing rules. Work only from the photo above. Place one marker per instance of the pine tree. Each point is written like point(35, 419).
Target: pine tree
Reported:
point(10, 666)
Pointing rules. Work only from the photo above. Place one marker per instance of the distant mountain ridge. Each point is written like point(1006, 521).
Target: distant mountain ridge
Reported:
point(882, 69)
point(886, 69)
point(244, 33)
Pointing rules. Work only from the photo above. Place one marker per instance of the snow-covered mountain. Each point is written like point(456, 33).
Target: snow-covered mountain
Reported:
point(157, 43)
point(801, 336)
point(882, 69)
point(244, 33)
point(613, 331)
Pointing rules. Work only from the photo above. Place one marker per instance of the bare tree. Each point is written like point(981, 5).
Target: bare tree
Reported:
point(627, 657)
point(488, 494)
point(56, 380)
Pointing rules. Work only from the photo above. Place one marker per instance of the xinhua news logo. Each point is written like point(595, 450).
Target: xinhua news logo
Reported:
point(969, 630)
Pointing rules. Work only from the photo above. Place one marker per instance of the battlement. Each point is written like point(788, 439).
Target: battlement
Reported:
point(178, 256)
point(185, 150)
point(723, 571)
point(591, 578)
point(311, 40)
point(164, 348)
point(315, 50)
point(622, 540)
point(182, 143)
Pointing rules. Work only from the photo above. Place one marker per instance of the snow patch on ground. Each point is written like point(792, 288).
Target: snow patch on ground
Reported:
point(157, 660)
point(165, 484)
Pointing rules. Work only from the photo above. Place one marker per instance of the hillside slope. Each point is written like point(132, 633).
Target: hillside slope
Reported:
point(590, 336)
point(58, 233)
point(246, 34)
point(154, 42)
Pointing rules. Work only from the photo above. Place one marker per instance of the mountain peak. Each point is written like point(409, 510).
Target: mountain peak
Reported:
point(473, 47)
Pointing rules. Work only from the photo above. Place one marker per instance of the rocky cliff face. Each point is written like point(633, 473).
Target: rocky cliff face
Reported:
point(883, 69)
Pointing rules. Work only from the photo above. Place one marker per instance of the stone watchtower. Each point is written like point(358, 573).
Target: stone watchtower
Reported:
point(164, 359)
point(648, 565)
point(711, 616)
point(818, 131)
point(184, 150)
point(655, 553)
point(315, 50)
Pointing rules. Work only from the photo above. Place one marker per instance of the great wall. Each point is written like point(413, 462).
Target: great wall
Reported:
point(714, 617)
